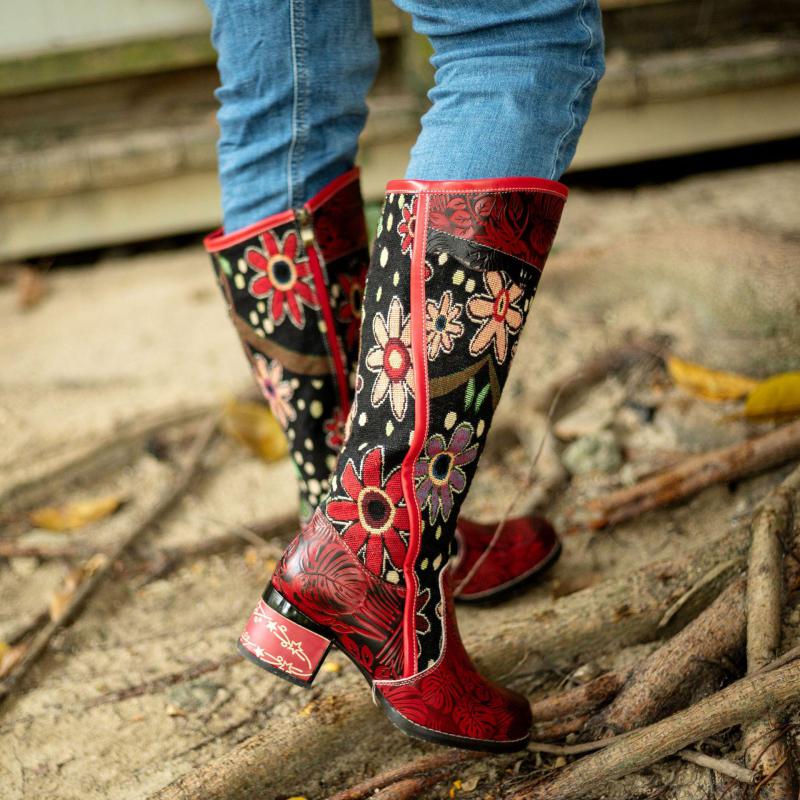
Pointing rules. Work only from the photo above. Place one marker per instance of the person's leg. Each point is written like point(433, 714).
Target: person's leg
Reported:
point(514, 85)
point(292, 255)
point(294, 75)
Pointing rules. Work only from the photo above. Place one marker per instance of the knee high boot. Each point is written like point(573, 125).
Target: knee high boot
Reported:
point(294, 285)
point(453, 272)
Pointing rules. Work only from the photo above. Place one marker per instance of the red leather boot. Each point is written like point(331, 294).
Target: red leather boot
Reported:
point(453, 272)
point(298, 313)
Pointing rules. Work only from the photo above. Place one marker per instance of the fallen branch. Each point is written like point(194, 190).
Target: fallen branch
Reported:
point(667, 677)
point(89, 586)
point(581, 699)
point(696, 473)
point(764, 745)
point(743, 701)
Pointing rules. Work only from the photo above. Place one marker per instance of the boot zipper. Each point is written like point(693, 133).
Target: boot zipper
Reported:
point(306, 228)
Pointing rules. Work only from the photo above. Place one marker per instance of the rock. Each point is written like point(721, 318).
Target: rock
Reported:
point(596, 452)
point(193, 696)
point(595, 412)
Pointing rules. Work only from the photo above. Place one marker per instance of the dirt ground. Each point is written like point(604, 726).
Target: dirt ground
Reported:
point(712, 261)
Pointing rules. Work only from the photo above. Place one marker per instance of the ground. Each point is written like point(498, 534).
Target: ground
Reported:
point(710, 260)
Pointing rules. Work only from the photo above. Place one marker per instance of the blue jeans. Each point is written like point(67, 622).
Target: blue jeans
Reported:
point(513, 87)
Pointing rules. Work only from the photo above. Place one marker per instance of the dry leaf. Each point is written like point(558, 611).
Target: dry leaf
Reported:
point(775, 396)
point(10, 657)
point(254, 426)
point(470, 784)
point(61, 598)
point(75, 515)
point(709, 384)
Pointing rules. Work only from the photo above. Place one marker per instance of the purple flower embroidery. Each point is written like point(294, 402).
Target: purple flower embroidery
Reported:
point(439, 471)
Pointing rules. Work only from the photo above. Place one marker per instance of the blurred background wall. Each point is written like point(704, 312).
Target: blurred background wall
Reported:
point(107, 124)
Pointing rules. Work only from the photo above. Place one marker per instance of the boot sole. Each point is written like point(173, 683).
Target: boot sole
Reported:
point(409, 728)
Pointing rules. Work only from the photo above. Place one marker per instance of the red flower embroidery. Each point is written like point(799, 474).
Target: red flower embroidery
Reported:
point(334, 429)
point(407, 227)
point(373, 511)
point(282, 279)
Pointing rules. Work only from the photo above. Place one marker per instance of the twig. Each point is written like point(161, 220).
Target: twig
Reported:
point(580, 699)
point(88, 587)
point(696, 473)
point(720, 765)
point(159, 684)
point(607, 362)
point(742, 701)
point(416, 768)
point(99, 456)
point(764, 605)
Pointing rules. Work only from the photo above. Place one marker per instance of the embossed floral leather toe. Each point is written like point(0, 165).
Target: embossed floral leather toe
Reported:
point(489, 562)
point(452, 276)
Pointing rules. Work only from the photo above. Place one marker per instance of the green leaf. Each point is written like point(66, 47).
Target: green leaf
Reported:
point(225, 265)
point(470, 394)
point(482, 396)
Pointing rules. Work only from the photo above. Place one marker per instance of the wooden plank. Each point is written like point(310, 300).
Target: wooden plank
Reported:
point(61, 44)
point(189, 202)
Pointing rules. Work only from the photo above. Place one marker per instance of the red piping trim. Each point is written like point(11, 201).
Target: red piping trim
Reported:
point(482, 185)
point(324, 194)
point(330, 330)
point(219, 240)
point(419, 358)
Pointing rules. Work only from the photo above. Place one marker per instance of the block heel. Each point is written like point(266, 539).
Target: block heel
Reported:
point(283, 641)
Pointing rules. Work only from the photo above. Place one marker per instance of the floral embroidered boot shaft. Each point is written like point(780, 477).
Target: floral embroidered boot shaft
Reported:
point(453, 273)
point(294, 285)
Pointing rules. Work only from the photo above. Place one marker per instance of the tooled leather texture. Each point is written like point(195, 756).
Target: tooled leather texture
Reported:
point(452, 697)
point(523, 544)
point(321, 577)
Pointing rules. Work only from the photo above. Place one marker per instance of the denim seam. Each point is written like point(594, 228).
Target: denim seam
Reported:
point(574, 120)
point(296, 152)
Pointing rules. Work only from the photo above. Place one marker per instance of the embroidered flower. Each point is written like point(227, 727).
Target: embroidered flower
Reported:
point(439, 472)
point(442, 325)
point(391, 359)
point(349, 311)
point(373, 511)
point(282, 280)
point(335, 429)
point(407, 227)
point(278, 392)
point(498, 312)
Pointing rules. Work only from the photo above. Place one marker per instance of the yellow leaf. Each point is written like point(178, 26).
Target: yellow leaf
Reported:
point(254, 426)
point(709, 384)
point(296, 797)
point(775, 396)
point(331, 666)
point(10, 657)
point(75, 515)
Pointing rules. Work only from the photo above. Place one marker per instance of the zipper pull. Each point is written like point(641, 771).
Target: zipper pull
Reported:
point(303, 218)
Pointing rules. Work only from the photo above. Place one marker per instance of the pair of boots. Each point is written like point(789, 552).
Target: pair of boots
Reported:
point(386, 437)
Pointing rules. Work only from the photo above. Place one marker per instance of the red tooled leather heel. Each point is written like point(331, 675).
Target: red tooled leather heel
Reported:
point(283, 641)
